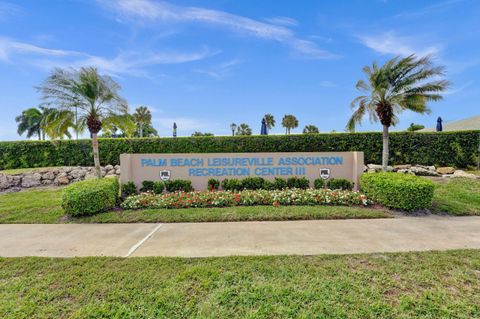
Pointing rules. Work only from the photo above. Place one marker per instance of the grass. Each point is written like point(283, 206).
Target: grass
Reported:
point(457, 196)
point(42, 205)
point(400, 285)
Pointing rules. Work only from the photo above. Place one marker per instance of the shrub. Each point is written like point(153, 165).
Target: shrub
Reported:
point(406, 147)
point(279, 183)
point(213, 184)
point(302, 183)
point(319, 183)
point(147, 186)
point(253, 183)
point(158, 187)
point(401, 191)
point(179, 185)
point(129, 189)
point(291, 181)
point(340, 183)
point(268, 185)
point(90, 196)
point(232, 184)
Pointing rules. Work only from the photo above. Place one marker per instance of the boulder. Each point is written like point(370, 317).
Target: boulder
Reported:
point(4, 183)
point(47, 182)
point(117, 167)
point(78, 173)
point(108, 167)
point(14, 180)
point(374, 167)
point(117, 171)
point(62, 179)
point(445, 170)
point(401, 167)
point(90, 175)
point(111, 173)
point(460, 173)
point(423, 171)
point(49, 175)
point(31, 180)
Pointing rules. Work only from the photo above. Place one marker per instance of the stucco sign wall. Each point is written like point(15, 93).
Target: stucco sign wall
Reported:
point(199, 168)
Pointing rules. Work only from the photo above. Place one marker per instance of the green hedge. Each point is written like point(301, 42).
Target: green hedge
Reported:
point(90, 196)
point(446, 148)
point(401, 191)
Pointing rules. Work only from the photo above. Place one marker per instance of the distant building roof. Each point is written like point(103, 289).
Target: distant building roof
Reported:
point(472, 123)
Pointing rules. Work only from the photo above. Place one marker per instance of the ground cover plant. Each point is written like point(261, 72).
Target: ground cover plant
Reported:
point(288, 197)
point(399, 285)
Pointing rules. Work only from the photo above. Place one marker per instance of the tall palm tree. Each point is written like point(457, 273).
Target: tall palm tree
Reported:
point(310, 129)
point(244, 129)
point(123, 122)
point(400, 84)
point(269, 121)
point(233, 127)
point(59, 122)
point(30, 121)
point(289, 122)
point(95, 97)
point(142, 117)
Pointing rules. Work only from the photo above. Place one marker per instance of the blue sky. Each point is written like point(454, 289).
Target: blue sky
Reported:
point(206, 64)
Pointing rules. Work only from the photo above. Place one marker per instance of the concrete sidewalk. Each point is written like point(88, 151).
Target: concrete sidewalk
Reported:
point(241, 238)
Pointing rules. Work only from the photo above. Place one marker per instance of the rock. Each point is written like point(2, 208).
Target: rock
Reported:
point(47, 182)
point(90, 175)
point(404, 171)
point(460, 173)
point(14, 180)
point(117, 171)
point(117, 167)
point(445, 170)
point(78, 173)
point(62, 179)
point(31, 180)
point(423, 171)
point(401, 167)
point(111, 173)
point(48, 176)
point(4, 183)
point(375, 167)
point(108, 167)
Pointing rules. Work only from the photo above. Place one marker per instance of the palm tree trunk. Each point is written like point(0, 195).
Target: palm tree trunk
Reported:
point(141, 130)
point(96, 155)
point(385, 148)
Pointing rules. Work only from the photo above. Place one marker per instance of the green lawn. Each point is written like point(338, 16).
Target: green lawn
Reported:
point(457, 196)
point(42, 205)
point(401, 285)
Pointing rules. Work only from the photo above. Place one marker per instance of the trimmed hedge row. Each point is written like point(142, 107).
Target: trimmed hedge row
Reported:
point(401, 191)
point(447, 148)
point(90, 196)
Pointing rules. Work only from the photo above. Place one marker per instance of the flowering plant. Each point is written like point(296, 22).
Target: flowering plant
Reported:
point(283, 197)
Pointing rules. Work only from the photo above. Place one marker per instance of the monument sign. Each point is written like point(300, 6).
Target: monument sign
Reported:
point(200, 167)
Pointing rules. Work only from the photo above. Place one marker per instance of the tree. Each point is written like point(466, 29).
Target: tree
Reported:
point(269, 121)
point(59, 122)
point(142, 117)
point(233, 127)
point(148, 131)
point(196, 133)
point(289, 122)
point(95, 96)
point(123, 122)
point(415, 127)
point(311, 129)
point(244, 129)
point(30, 122)
point(400, 84)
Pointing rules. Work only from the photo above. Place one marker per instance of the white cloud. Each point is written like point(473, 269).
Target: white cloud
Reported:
point(284, 21)
point(160, 11)
point(221, 70)
point(390, 43)
point(132, 63)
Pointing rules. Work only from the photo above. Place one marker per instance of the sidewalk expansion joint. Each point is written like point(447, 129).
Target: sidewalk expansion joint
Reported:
point(140, 243)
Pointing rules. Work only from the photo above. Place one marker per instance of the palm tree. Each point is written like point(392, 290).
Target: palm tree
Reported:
point(123, 122)
point(311, 129)
point(399, 85)
point(95, 96)
point(244, 129)
point(415, 127)
point(30, 122)
point(269, 121)
point(289, 122)
point(142, 117)
point(59, 122)
point(233, 127)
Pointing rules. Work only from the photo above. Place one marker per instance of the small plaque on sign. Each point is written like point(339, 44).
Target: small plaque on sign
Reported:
point(165, 175)
point(324, 173)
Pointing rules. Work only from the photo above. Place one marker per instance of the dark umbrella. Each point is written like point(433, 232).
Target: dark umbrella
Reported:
point(174, 129)
point(263, 130)
point(439, 124)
